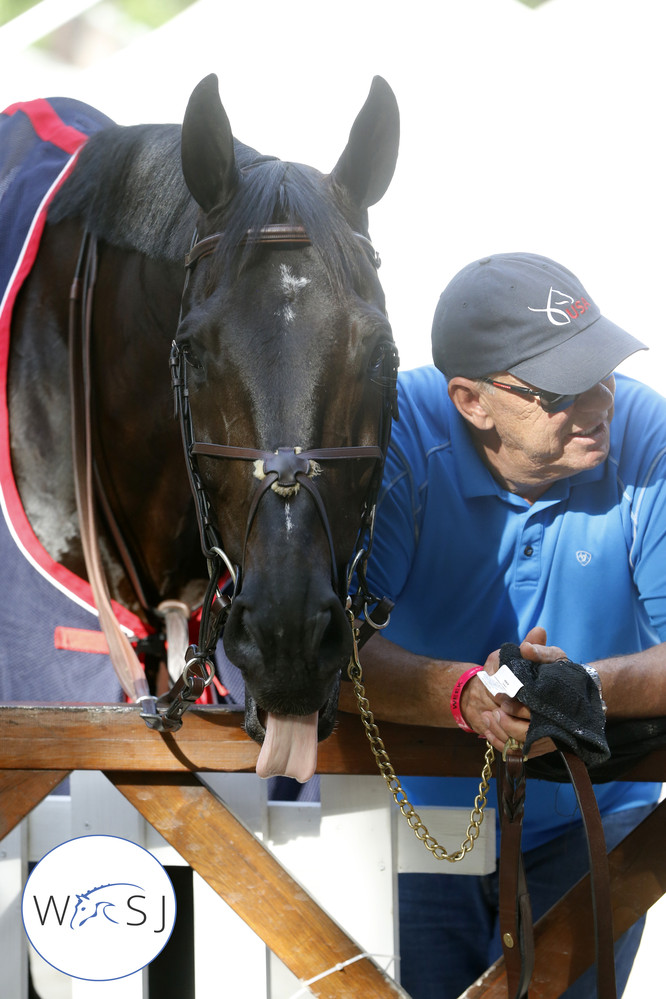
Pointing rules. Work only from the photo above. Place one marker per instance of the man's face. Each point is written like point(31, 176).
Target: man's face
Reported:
point(531, 448)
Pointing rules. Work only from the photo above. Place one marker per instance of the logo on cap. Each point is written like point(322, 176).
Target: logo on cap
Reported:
point(562, 317)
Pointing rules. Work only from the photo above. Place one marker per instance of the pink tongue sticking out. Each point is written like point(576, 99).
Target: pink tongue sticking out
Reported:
point(290, 747)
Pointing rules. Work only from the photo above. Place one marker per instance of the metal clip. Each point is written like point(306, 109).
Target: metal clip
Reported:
point(512, 746)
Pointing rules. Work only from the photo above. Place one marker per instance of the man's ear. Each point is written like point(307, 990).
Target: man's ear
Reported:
point(470, 402)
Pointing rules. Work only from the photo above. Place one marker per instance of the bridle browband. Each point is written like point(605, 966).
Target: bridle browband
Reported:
point(286, 468)
point(269, 235)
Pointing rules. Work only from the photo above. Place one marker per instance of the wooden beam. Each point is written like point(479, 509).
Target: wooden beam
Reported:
point(113, 737)
point(40, 744)
point(252, 882)
point(21, 790)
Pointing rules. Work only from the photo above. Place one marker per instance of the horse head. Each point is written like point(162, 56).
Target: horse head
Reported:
point(288, 356)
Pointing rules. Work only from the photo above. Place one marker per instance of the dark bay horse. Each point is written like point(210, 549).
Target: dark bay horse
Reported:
point(282, 355)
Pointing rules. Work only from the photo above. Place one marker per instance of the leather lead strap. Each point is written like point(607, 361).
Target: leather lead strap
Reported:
point(515, 911)
point(128, 668)
point(599, 874)
point(514, 903)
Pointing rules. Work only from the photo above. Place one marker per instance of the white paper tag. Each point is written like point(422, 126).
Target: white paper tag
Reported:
point(501, 682)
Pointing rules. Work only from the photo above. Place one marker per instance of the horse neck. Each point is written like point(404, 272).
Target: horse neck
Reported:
point(138, 449)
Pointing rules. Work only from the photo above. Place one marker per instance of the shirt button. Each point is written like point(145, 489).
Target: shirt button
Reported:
point(528, 550)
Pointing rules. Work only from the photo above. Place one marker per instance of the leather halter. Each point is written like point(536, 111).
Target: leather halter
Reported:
point(287, 466)
point(166, 713)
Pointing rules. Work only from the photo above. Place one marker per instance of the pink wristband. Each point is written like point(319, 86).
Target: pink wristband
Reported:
point(456, 694)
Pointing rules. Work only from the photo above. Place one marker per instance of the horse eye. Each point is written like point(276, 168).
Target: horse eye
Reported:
point(377, 360)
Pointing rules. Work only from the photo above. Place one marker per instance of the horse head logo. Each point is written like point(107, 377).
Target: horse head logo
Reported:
point(102, 899)
point(555, 315)
point(583, 557)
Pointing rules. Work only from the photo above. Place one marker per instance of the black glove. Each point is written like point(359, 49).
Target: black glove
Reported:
point(565, 705)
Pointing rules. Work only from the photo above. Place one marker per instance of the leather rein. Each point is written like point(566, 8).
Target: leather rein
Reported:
point(515, 912)
point(286, 469)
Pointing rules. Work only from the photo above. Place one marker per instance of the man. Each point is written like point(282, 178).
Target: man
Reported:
point(521, 500)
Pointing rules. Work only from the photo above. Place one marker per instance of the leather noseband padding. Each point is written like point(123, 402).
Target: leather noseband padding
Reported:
point(286, 463)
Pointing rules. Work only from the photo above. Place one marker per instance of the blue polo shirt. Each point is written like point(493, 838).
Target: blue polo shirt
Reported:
point(470, 565)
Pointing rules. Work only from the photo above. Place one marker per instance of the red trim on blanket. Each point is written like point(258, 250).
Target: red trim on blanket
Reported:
point(66, 581)
point(49, 126)
point(80, 640)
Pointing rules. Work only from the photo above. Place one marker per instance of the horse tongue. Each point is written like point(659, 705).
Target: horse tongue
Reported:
point(290, 747)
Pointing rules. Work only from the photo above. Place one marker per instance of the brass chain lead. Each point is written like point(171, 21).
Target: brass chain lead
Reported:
point(420, 830)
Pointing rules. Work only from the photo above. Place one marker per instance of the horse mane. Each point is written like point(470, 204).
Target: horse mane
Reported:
point(128, 189)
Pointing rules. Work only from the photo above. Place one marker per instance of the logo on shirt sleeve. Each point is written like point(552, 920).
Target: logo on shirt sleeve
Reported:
point(583, 557)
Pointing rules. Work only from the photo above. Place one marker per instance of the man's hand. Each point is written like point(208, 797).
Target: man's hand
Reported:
point(499, 718)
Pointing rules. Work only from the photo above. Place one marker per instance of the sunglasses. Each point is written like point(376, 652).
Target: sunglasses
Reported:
point(551, 402)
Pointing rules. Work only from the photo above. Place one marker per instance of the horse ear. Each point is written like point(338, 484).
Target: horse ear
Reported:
point(366, 166)
point(207, 147)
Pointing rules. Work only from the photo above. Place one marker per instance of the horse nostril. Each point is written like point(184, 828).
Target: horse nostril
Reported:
point(333, 637)
point(321, 624)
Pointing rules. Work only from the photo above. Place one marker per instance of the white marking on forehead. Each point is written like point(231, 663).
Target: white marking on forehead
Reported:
point(291, 286)
point(287, 517)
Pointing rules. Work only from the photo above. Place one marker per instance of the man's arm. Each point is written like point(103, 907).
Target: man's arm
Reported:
point(634, 686)
point(405, 687)
point(411, 689)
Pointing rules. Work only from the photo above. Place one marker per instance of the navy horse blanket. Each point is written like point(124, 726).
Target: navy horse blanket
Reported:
point(51, 646)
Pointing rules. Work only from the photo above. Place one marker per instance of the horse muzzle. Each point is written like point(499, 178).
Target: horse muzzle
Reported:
point(291, 672)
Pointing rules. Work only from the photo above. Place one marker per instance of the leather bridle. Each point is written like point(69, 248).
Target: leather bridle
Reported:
point(287, 467)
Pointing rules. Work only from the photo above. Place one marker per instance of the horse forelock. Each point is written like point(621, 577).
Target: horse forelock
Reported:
point(289, 386)
point(276, 191)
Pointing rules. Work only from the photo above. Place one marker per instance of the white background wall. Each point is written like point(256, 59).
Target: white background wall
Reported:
point(521, 129)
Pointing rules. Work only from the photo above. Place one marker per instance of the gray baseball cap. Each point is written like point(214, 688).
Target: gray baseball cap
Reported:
point(526, 314)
